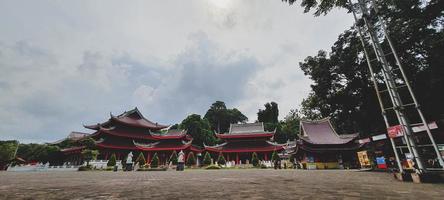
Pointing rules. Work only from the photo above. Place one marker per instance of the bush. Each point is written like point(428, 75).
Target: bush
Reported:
point(141, 160)
point(254, 160)
point(221, 160)
point(112, 161)
point(275, 156)
point(292, 157)
point(190, 159)
point(89, 154)
point(213, 167)
point(85, 168)
point(155, 161)
point(207, 159)
point(173, 158)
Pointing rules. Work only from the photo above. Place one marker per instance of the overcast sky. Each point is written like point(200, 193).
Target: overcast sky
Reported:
point(68, 63)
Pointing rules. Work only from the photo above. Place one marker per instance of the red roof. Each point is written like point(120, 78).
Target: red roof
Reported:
point(322, 132)
point(128, 133)
point(258, 146)
point(131, 118)
point(163, 146)
point(170, 134)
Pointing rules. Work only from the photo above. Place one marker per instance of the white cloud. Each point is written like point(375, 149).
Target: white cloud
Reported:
point(67, 63)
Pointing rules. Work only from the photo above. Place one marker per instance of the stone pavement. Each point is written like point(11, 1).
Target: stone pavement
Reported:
point(213, 184)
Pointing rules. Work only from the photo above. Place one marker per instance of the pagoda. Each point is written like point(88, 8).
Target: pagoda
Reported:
point(242, 140)
point(320, 147)
point(132, 132)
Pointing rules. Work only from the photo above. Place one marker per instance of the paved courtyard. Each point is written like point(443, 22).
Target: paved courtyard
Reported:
point(217, 184)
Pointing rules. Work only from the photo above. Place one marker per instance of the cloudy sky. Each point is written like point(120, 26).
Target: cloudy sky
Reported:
point(68, 63)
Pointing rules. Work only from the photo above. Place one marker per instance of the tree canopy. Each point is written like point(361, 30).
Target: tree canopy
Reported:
point(199, 129)
point(220, 117)
point(342, 88)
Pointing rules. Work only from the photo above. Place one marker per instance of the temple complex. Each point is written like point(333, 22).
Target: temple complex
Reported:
point(320, 147)
point(131, 131)
point(244, 139)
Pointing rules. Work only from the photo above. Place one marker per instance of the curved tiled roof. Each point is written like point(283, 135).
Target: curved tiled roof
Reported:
point(322, 132)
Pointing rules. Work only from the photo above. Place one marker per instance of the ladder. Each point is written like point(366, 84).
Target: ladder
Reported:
point(394, 78)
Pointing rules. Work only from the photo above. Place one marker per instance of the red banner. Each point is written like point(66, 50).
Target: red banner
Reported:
point(395, 131)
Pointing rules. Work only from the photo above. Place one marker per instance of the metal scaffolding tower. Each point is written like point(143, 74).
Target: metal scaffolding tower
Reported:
point(394, 82)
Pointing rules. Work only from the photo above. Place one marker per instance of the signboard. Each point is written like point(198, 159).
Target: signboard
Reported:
point(363, 141)
point(364, 159)
point(380, 161)
point(379, 137)
point(432, 125)
point(395, 131)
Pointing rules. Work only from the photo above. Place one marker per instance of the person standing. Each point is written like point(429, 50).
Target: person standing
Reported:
point(180, 161)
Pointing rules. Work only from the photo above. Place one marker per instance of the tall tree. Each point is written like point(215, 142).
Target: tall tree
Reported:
point(220, 117)
point(270, 114)
point(7, 151)
point(341, 82)
point(199, 129)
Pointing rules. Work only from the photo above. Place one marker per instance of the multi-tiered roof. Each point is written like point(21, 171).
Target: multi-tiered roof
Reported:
point(249, 137)
point(132, 131)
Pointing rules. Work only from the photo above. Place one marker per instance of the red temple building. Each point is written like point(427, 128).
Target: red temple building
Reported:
point(132, 132)
point(320, 147)
point(244, 139)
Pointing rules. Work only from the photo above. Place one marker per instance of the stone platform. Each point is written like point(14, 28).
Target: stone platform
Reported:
point(210, 184)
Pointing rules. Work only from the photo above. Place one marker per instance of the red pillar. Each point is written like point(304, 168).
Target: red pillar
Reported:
point(106, 156)
point(228, 156)
point(266, 156)
point(237, 158)
point(149, 157)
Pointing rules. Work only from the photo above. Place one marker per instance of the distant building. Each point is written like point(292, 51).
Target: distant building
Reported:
point(244, 139)
point(320, 147)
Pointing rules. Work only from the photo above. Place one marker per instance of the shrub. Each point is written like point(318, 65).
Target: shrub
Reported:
point(85, 168)
point(213, 167)
point(190, 159)
point(207, 159)
point(274, 156)
point(155, 161)
point(221, 159)
point(292, 157)
point(111, 161)
point(88, 155)
point(141, 160)
point(254, 159)
point(173, 158)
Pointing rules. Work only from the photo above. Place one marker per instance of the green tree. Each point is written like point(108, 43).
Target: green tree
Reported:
point(173, 158)
point(254, 160)
point(191, 160)
point(89, 155)
point(274, 156)
point(154, 161)
point(141, 160)
point(221, 159)
point(270, 114)
point(342, 88)
point(220, 117)
point(199, 129)
point(88, 142)
point(207, 159)
point(112, 161)
point(7, 151)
